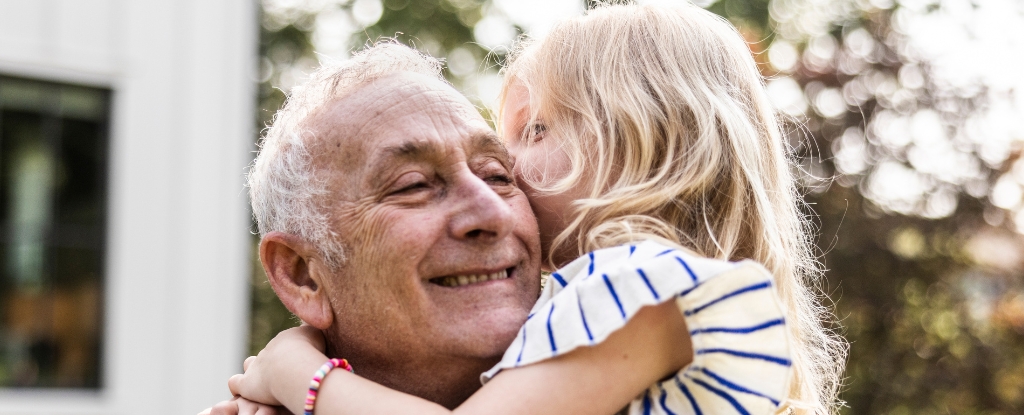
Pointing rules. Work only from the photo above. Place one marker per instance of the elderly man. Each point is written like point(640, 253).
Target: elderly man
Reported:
point(390, 221)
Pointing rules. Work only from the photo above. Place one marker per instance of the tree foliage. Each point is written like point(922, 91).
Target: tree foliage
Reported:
point(923, 265)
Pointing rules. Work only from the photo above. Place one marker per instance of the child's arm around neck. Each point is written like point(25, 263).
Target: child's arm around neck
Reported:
point(600, 379)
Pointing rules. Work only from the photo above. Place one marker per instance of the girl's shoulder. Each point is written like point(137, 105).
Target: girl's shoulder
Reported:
point(735, 318)
point(646, 259)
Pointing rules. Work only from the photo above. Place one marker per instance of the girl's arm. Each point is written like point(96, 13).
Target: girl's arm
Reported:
point(601, 379)
point(242, 406)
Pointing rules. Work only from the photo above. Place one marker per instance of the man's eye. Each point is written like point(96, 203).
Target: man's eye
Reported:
point(412, 187)
point(500, 179)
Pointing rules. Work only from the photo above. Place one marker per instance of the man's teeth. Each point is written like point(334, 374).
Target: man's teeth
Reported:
point(472, 279)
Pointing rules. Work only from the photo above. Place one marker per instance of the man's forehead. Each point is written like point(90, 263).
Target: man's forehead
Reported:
point(393, 103)
point(404, 113)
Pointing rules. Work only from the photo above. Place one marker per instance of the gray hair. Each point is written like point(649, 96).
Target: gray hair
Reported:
point(286, 193)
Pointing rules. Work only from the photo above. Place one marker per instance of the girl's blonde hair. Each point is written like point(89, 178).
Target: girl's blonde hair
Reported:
point(664, 108)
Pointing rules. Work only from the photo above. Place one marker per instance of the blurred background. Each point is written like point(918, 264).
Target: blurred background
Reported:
point(125, 128)
point(907, 116)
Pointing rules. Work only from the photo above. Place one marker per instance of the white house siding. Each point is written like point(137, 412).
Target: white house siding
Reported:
point(176, 297)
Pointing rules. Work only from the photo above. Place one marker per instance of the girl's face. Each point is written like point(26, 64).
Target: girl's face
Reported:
point(539, 156)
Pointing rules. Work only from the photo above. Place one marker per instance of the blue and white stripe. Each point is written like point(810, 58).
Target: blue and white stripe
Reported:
point(742, 359)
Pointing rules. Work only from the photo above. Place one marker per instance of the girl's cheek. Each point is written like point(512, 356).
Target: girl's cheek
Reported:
point(556, 164)
point(527, 167)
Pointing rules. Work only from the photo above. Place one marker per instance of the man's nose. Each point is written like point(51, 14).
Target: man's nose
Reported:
point(483, 215)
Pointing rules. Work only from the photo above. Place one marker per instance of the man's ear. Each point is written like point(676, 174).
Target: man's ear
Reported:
point(286, 260)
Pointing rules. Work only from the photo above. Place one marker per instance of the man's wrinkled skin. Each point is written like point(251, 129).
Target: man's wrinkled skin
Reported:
point(419, 188)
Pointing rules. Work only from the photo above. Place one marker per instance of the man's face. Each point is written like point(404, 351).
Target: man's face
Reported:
point(425, 204)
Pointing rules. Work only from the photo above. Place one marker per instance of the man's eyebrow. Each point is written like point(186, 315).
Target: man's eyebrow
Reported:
point(409, 150)
point(488, 141)
point(389, 156)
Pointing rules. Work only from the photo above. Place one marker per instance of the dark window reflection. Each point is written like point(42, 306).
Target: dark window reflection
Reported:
point(53, 192)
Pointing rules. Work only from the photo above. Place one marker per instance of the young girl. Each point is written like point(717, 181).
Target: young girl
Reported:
point(644, 138)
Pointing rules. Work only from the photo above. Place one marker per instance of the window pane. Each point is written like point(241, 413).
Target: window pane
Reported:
point(53, 163)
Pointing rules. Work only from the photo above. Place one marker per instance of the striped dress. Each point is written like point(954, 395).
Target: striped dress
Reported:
point(741, 362)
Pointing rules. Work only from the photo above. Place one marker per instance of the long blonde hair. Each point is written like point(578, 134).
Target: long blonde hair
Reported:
point(663, 106)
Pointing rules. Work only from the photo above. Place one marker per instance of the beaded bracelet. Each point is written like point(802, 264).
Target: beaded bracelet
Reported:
point(314, 385)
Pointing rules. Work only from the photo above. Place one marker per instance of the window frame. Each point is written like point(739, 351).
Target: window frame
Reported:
point(53, 118)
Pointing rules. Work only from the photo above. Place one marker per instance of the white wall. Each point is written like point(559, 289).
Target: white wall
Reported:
point(176, 300)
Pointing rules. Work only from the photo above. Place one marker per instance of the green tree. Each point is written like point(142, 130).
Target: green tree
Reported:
point(922, 257)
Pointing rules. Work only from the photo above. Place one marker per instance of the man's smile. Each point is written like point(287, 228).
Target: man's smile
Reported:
point(472, 278)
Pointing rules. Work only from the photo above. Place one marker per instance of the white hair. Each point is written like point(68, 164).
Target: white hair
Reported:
point(286, 193)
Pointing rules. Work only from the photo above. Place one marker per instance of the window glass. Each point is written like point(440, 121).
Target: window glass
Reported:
point(53, 194)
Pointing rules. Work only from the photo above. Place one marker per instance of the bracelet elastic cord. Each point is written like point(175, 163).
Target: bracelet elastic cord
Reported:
point(314, 385)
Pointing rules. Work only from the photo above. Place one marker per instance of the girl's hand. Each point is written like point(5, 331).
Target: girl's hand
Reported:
point(280, 374)
point(242, 406)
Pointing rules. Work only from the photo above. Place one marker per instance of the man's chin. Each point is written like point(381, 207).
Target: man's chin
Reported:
point(485, 333)
point(482, 319)
point(490, 345)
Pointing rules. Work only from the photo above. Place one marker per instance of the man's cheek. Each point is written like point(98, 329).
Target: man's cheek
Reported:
point(397, 237)
point(525, 219)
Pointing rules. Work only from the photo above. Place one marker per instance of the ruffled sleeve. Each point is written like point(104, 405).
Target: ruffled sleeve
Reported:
point(741, 346)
